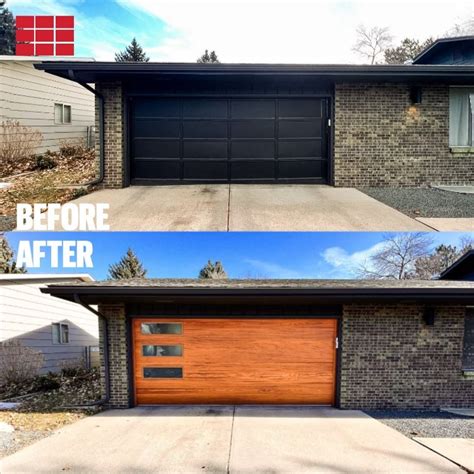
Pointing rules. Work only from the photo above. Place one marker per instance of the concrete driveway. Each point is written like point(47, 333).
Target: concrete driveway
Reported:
point(227, 440)
point(253, 207)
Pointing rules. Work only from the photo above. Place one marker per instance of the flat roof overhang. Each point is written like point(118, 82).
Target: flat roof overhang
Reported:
point(123, 294)
point(93, 72)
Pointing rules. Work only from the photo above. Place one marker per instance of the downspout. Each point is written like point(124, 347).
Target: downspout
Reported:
point(105, 326)
point(100, 97)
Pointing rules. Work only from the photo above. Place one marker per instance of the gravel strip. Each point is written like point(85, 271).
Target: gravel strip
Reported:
point(424, 202)
point(426, 424)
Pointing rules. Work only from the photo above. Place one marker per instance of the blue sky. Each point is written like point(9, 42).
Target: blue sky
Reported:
point(246, 30)
point(248, 254)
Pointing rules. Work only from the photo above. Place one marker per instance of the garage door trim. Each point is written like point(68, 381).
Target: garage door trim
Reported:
point(170, 317)
point(326, 142)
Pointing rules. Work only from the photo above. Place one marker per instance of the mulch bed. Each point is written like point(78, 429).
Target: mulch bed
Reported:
point(45, 186)
point(42, 412)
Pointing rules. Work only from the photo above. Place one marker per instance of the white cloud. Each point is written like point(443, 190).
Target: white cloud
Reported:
point(350, 263)
point(272, 270)
point(296, 31)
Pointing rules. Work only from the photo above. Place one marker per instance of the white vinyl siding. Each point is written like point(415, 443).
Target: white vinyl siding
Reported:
point(27, 314)
point(29, 95)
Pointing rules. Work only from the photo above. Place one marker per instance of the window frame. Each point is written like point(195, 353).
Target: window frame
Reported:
point(62, 331)
point(63, 106)
point(470, 93)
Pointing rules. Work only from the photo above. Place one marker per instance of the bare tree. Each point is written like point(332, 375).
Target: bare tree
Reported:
point(398, 256)
point(464, 28)
point(372, 42)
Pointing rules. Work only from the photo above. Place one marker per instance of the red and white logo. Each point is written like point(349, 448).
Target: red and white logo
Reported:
point(44, 35)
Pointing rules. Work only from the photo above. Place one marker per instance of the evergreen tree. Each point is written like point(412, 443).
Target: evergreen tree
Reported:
point(132, 53)
point(406, 51)
point(213, 271)
point(443, 257)
point(7, 32)
point(129, 266)
point(7, 259)
point(208, 58)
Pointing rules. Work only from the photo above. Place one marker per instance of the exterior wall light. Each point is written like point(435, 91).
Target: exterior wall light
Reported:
point(415, 95)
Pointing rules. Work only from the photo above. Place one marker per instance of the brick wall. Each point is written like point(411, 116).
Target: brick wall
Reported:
point(114, 140)
point(118, 355)
point(381, 139)
point(391, 358)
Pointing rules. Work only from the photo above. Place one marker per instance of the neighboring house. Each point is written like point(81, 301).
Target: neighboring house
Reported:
point(60, 109)
point(64, 332)
point(345, 125)
point(348, 343)
point(461, 269)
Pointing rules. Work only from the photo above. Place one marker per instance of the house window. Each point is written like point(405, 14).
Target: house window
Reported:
point(468, 346)
point(461, 112)
point(60, 333)
point(62, 113)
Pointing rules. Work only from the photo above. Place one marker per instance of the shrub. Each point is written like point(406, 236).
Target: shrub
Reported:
point(18, 363)
point(43, 383)
point(73, 147)
point(45, 162)
point(17, 142)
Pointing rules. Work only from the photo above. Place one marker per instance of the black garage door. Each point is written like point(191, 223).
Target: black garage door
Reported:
point(228, 139)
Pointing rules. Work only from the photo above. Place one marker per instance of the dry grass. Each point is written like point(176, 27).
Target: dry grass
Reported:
point(42, 185)
point(39, 421)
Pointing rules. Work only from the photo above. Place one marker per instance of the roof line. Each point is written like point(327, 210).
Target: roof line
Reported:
point(440, 41)
point(454, 265)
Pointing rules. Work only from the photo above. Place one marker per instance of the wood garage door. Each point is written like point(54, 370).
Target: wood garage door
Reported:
point(280, 361)
point(228, 140)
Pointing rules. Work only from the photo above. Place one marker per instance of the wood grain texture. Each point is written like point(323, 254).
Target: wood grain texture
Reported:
point(238, 361)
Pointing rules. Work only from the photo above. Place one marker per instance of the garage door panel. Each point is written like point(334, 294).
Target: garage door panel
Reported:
point(240, 361)
point(204, 108)
point(154, 107)
point(204, 129)
point(248, 170)
point(253, 129)
point(300, 108)
point(152, 148)
point(310, 128)
point(164, 168)
point(209, 149)
point(205, 170)
point(253, 149)
point(252, 108)
point(299, 149)
point(157, 128)
point(304, 393)
point(302, 169)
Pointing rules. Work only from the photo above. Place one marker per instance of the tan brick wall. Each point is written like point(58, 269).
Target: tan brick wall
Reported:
point(114, 139)
point(392, 359)
point(118, 355)
point(381, 139)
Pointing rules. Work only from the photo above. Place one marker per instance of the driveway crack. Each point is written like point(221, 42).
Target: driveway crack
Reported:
point(228, 210)
point(230, 441)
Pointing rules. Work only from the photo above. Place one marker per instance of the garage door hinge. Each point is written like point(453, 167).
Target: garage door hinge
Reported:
point(337, 343)
point(329, 122)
